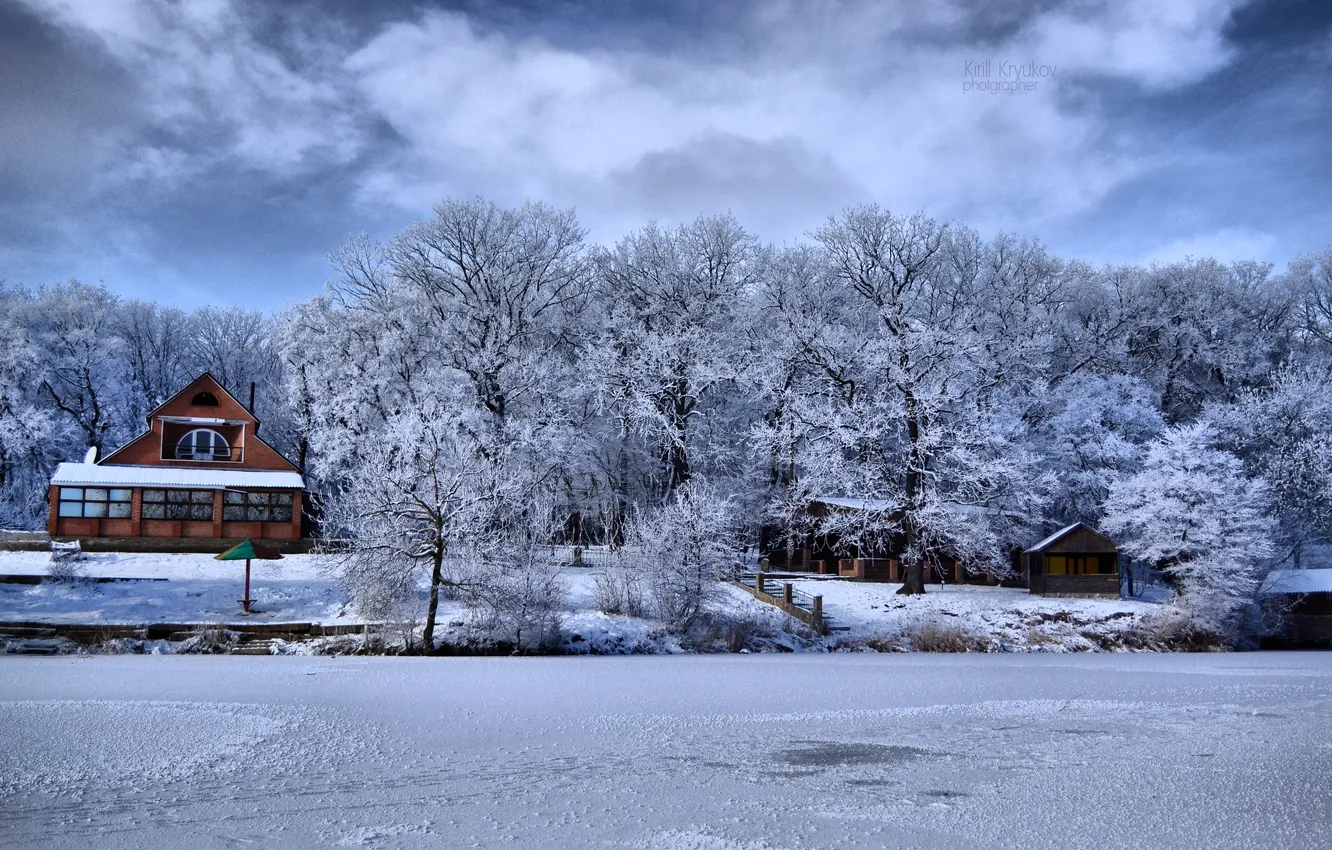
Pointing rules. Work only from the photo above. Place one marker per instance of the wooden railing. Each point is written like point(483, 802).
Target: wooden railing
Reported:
point(805, 607)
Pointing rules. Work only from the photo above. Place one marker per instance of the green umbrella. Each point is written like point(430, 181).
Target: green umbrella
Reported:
point(245, 551)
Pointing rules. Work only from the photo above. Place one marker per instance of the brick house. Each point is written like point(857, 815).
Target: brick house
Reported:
point(199, 471)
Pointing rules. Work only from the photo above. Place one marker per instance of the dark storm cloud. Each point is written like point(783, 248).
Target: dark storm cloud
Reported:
point(761, 182)
point(60, 108)
point(182, 150)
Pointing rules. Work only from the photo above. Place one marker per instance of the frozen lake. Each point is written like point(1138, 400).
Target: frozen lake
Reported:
point(696, 753)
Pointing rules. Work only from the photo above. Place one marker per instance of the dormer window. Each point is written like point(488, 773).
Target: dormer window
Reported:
point(202, 444)
point(204, 400)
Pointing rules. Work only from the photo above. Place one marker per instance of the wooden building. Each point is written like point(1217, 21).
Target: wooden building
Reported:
point(1074, 561)
point(879, 561)
point(1297, 607)
point(199, 471)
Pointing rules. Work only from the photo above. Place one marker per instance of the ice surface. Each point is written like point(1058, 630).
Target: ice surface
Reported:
point(724, 752)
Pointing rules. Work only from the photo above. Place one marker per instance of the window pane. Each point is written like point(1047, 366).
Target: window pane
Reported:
point(178, 495)
point(121, 495)
point(258, 498)
point(233, 498)
point(233, 512)
point(1055, 565)
point(258, 514)
point(282, 514)
point(94, 509)
point(120, 510)
point(154, 495)
point(176, 511)
point(154, 510)
point(95, 494)
point(71, 509)
point(201, 511)
point(200, 497)
point(282, 498)
point(71, 494)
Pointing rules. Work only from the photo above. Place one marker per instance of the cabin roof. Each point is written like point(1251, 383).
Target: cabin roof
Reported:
point(97, 475)
point(1284, 582)
point(858, 504)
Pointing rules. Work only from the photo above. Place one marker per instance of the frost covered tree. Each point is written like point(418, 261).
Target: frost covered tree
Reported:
point(672, 349)
point(907, 393)
point(1310, 281)
point(1089, 430)
point(1284, 436)
point(419, 494)
point(158, 344)
point(72, 326)
point(443, 360)
point(505, 288)
point(32, 435)
point(1193, 513)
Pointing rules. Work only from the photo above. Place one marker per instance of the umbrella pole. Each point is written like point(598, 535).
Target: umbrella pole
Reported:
point(245, 603)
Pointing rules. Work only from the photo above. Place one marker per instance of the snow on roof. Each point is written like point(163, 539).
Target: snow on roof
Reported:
point(1053, 537)
point(1280, 582)
point(858, 504)
point(92, 474)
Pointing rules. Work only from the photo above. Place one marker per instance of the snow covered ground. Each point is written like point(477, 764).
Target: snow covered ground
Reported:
point(200, 590)
point(668, 753)
point(300, 589)
point(991, 618)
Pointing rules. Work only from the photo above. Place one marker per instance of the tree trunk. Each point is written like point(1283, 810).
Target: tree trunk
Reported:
point(436, 578)
point(913, 582)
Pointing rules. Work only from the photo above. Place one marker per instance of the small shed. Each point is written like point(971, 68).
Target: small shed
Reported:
point(1298, 606)
point(1074, 561)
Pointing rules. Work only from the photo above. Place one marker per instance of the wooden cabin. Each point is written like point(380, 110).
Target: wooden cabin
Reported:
point(1074, 561)
point(199, 471)
point(1297, 607)
point(881, 561)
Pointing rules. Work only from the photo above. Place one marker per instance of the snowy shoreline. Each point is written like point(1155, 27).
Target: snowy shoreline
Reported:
point(200, 595)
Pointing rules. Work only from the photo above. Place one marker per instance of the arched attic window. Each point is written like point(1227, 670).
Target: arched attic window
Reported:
point(202, 444)
point(204, 400)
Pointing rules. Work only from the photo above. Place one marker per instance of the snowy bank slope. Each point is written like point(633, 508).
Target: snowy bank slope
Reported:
point(989, 618)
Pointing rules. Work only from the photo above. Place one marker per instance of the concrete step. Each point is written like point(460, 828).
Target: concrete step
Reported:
point(254, 647)
point(36, 647)
point(27, 631)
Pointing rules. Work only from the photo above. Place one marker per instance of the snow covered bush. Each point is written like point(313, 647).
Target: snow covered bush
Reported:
point(66, 570)
point(1192, 513)
point(938, 637)
point(619, 587)
point(515, 588)
point(686, 549)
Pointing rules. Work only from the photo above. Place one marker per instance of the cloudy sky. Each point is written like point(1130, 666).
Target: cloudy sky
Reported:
point(216, 151)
